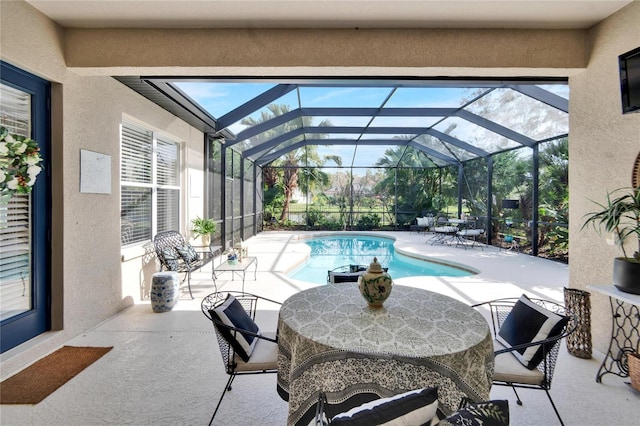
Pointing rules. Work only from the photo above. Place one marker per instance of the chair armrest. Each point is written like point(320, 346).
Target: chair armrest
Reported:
point(219, 323)
point(530, 344)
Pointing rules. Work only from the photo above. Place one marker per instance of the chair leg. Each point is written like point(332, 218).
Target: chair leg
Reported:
point(226, 388)
point(518, 400)
point(554, 407)
point(189, 283)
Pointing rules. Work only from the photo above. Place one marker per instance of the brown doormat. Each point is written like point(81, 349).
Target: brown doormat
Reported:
point(40, 379)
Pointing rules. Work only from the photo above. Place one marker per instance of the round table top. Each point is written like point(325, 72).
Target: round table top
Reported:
point(413, 322)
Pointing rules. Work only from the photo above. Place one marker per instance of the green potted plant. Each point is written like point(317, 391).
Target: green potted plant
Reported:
point(203, 228)
point(620, 216)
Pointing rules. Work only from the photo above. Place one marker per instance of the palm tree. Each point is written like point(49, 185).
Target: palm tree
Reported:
point(411, 176)
point(291, 162)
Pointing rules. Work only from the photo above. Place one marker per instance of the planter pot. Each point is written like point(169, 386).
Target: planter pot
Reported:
point(626, 275)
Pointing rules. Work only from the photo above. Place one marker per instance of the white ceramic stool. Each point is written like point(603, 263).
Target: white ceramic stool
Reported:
point(164, 291)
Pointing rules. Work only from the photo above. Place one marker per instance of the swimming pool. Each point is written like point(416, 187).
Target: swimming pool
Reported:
point(335, 251)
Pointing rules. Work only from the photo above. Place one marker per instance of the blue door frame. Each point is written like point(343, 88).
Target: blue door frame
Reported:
point(25, 326)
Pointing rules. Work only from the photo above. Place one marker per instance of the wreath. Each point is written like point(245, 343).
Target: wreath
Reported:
point(20, 163)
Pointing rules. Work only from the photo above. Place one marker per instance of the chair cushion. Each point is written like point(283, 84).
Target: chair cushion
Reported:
point(417, 407)
point(263, 357)
point(508, 369)
point(231, 313)
point(187, 253)
point(170, 257)
point(445, 229)
point(528, 322)
point(489, 413)
point(471, 232)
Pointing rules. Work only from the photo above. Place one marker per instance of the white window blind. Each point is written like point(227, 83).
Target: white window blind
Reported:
point(150, 184)
point(15, 214)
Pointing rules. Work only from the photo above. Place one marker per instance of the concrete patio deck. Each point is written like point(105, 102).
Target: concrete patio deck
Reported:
point(165, 369)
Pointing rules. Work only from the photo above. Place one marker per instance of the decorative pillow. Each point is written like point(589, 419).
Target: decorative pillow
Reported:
point(187, 253)
point(231, 313)
point(489, 413)
point(417, 407)
point(528, 322)
point(170, 258)
point(422, 221)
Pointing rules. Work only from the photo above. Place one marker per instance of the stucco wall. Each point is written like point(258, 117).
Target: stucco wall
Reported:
point(603, 144)
point(413, 48)
point(90, 282)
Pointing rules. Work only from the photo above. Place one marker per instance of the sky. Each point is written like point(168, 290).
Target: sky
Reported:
point(504, 106)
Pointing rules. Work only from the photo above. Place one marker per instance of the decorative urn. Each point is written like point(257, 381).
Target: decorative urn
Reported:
point(375, 285)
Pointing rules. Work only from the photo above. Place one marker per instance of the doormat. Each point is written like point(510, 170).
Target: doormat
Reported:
point(40, 379)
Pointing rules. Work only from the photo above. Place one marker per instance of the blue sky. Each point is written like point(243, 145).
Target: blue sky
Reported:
point(503, 106)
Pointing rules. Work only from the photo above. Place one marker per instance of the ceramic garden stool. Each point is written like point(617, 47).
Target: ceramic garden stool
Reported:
point(164, 291)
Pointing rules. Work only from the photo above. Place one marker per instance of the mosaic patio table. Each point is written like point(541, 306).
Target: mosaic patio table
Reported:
point(330, 340)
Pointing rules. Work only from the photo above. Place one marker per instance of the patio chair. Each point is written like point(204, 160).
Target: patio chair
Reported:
point(345, 274)
point(465, 235)
point(244, 348)
point(527, 334)
point(175, 254)
point(443, 235)
point(419, 406)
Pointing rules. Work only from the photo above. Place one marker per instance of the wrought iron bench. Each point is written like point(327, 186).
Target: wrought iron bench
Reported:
point(175, 254)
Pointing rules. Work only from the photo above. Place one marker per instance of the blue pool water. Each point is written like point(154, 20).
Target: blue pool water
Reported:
point(332, 252)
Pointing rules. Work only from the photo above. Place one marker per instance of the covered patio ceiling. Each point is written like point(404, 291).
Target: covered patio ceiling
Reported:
point(367, 123)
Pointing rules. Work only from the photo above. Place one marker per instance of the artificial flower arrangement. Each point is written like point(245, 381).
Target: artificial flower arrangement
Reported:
point(232, 257)
point(20, 163)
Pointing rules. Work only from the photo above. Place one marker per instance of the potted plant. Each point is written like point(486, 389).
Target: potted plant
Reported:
point(620, 216)
point(203, 228)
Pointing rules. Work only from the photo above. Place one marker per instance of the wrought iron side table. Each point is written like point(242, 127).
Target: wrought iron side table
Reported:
point(237, 268)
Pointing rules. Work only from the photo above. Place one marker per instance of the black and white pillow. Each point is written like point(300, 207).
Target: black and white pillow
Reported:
point(489, 413)
point(187, 253)
point(170, 257)
point(417, 407)
point(231, 313)
point(529, 322)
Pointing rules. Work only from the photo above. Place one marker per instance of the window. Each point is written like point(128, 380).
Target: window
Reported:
point(149, 184)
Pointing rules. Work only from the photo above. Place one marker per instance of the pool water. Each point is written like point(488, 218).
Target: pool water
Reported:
point(332, 252)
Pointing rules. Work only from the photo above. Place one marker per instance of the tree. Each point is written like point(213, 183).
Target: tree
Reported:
point(412, 176)
point(290, 162)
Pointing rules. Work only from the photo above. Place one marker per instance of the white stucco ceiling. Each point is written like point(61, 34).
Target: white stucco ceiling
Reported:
point(567, 14)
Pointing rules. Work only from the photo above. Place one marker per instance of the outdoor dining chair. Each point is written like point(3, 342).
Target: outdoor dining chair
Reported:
point(527, 334)
point(245, 349)
point(414, 407)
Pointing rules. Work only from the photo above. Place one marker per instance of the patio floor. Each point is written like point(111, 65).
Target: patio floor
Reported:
point(166, 368)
